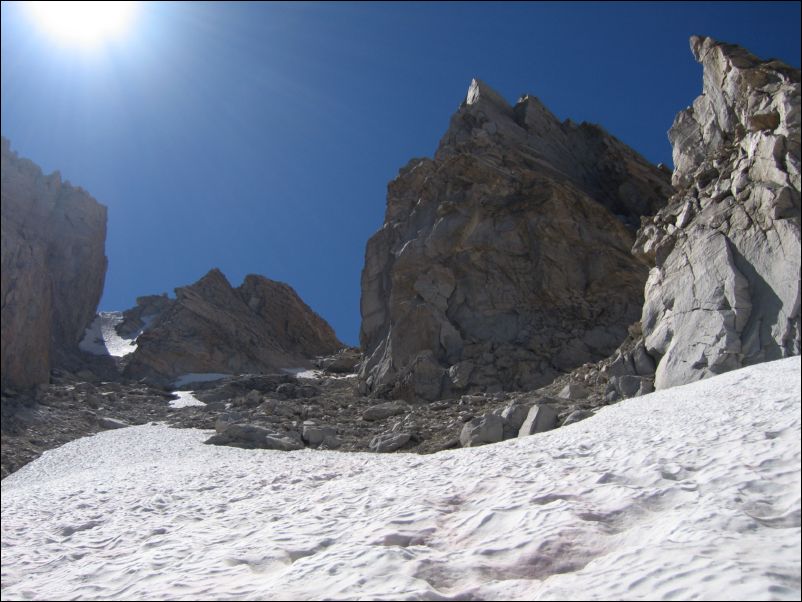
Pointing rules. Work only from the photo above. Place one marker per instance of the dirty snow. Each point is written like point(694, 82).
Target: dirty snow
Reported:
point(687, 493)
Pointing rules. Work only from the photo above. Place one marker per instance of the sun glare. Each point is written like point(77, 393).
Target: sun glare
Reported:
point(83, 23)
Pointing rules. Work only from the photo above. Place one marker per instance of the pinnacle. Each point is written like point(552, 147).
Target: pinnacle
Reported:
point(479, 91)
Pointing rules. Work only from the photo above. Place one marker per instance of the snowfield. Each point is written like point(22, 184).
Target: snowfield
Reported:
point(687, 493)
point(101, 337)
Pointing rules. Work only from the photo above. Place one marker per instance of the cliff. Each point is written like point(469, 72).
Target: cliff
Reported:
point(724, 290)
point(53, 268)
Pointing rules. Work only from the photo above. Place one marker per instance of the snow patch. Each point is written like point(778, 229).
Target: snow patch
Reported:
point(185, 399)
point(101, 337)
point(315, 374)
point(305, 373)
point(687, 493)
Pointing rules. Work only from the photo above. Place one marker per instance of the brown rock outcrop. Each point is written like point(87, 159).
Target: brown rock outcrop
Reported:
point(53, 268)
point(504, 260)
point(261, 326)
point(725, 289)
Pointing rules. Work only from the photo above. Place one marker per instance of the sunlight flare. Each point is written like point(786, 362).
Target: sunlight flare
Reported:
point(83, 23)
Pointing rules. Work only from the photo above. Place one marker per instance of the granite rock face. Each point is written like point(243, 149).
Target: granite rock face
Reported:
point(724, 290)
point(53, 269)
point(505, 260)
point(261, 326)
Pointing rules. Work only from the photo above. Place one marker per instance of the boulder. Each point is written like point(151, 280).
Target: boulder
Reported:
point(251, 436)
point(540, 418)
point(482, 430)
point(277, 407)
point(631, 386)
point(622, 364)
point(574, 390)
point(315, 435)
point(514, 416)
point(642, 361)
point(388, 442)
point(225, 419)
point(577, 416)
point(283, 442)
point(385, 410)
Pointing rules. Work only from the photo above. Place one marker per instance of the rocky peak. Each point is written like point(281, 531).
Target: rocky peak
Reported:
point(742, 96)
point(261, 326)
point(515, 235)
point(487, 127)
point(292, 322)
point(53, 268)
point(480, 92)
point(213, 279)
point(212, 288)
point(536, 118)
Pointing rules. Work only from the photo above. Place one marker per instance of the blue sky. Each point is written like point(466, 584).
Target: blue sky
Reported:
point(259, 138)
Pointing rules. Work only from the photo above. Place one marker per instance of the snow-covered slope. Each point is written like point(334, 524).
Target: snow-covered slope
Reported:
point(688, 493)
point(101, 337)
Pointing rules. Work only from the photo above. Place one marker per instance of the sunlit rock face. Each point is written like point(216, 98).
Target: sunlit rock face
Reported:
point(505, 260)
point(724, 292)
point(53, 268)
point(260, 326)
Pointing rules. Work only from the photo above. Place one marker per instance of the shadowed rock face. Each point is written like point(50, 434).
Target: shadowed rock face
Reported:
point(137, 318)
point(506, 259)
point(724, 292)
point(260, 326)
point(53, 269)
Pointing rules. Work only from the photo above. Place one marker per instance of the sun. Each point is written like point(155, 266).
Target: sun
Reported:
point(84, 24)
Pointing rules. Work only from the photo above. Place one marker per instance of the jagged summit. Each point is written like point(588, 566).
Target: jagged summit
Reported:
point(479, 91)
point(516, 234)
point(486, 126)
point(527, 113)
point(741, 94)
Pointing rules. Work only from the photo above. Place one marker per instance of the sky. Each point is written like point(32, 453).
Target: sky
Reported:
point(260, 137)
